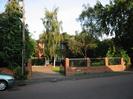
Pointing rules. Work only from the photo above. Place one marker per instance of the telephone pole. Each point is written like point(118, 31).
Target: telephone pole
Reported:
point(23, 36)
point(22, 5)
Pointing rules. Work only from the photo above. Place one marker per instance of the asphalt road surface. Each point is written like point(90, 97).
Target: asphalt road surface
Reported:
point(118, 87)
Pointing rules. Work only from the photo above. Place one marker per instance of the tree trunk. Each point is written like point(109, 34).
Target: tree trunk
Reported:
point(54, 61)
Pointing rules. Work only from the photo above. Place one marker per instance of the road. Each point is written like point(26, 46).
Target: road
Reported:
point(117, 87)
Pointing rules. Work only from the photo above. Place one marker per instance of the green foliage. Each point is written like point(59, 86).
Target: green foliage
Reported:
point(89, 20)
point(81, 43)
point(30, 46)
point(18, 73)
point(116, 19)
point(97, 62)
point(78, 63)
point(50, 21)
point(65, 43)
point(11, 37)
point(56, 69)
point(38, 61)
point(51, 36)
point(125, 57)
point(102, 47)
point(113, 52)
point(59, 69)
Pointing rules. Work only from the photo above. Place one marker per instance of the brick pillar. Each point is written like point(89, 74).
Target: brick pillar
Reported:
point(66, 62)
point(66, 65)
point(29, 68)
point(106, 61)
point(122, 62)
point(88, 62)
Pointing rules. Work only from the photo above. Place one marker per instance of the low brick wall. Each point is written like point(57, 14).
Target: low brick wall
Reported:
point(117, 67)
point(6, 71)
point(108, 68)
point(100, 69)
point(38, 68)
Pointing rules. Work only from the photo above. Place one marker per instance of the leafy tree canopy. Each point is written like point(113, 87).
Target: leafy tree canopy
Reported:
point(114, 18)
point(117, 20)
point(81, 43)
point(11, 35)
point(51, 35)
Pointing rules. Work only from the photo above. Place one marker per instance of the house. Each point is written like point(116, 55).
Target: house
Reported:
point(39, 51)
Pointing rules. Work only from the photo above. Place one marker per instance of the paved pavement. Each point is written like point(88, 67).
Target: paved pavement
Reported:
point(44, 77)
point(44, 72)
point(43, 69)
point(38, 75)
point(114, 87)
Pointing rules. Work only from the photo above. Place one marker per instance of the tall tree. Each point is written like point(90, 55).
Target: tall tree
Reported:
point(114, 19)
point(11, 36)
point(65, 49)
point(81, 43)
point(89, 20)
point(117, 19)
point(51, 35)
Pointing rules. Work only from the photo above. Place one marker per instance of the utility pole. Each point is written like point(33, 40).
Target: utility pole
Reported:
point(22, 5)
point(23, 36)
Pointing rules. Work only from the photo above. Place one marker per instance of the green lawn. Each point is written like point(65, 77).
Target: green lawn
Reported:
point(59, 69)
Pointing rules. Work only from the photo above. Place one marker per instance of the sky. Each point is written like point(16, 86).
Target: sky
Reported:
point(68, 13)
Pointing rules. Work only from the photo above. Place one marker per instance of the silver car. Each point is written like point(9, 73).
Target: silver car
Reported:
point(6, 81)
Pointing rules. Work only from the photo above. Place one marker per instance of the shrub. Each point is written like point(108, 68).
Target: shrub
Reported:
point(125, 57)
point(112, 52)
point(18, 72)
point(38, 61)
point(59, 69)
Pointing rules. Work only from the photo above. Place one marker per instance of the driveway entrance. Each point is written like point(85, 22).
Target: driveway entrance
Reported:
point(39, 72)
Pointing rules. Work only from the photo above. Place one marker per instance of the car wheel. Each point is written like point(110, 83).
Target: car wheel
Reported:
point(3, 85)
